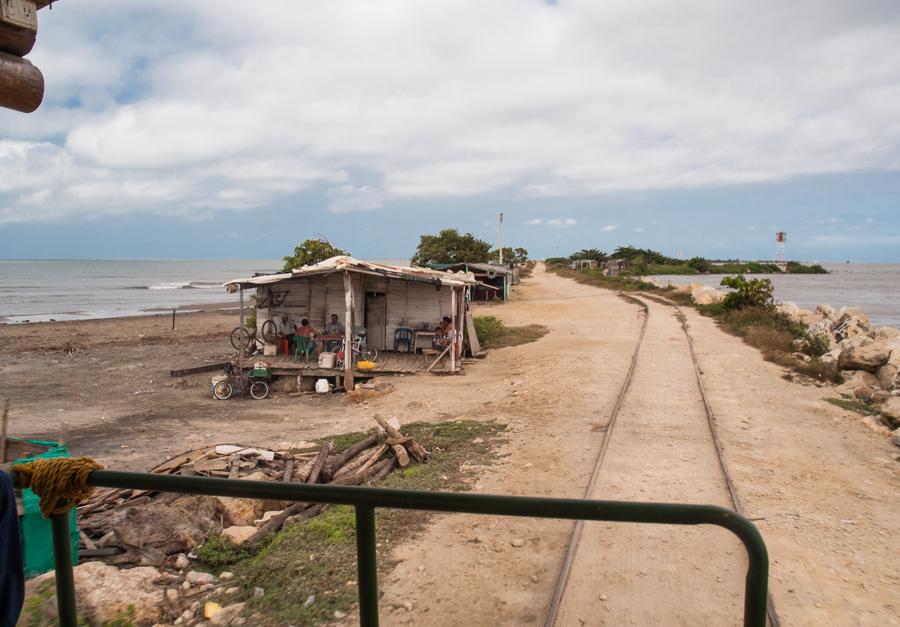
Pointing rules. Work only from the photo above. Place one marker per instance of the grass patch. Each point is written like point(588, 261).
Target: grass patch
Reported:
point(318, 557)
point(492, 333)
point(859, 406)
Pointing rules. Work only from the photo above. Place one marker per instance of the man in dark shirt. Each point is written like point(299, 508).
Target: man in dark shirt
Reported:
point(12, 569)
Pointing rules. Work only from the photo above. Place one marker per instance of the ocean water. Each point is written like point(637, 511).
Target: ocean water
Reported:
point(74, 290)
point(873, 287)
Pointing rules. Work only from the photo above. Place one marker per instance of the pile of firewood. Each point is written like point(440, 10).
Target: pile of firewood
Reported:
point(149, 528)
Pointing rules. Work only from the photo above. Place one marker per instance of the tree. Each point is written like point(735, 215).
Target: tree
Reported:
point(449, 246)
point(514, 256)
point(311, 251)
point(589, 253)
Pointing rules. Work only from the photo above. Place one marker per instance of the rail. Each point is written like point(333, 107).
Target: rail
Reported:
point(366, 500)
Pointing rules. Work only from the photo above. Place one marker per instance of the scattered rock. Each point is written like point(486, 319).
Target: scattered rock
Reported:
point(895, 437)
point(827, 312)
point(706, 295)
point(104, 592)
point(199, 578)
point(889, 374)
point(890, 411)
point(309, 600)
point(831, 358)
point(227, 615)
point(211, 609)
point(239, 535)
point(339, 614)
point(226, 575)
point(258, 592)
point(518, 543)
point(182, 561)
point(851, 325)
point(172, 596)
point(858, 384)
point(876, 425)
point(869, 357)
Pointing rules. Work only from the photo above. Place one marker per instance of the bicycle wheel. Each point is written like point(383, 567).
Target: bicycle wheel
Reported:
point(259, 390)
point(369, 353)
point(223, 390)
point(241, 338)
point(270, 332)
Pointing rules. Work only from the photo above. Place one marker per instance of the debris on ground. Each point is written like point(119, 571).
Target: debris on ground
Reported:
point(137, 529)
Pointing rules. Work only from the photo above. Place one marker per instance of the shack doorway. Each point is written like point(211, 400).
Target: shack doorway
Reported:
point(376, 320)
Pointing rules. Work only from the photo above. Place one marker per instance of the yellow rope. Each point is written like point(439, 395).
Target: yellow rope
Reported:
point(60, 482)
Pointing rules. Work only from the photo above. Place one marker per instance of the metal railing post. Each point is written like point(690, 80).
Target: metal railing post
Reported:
point(366, 566)
point(65, 580)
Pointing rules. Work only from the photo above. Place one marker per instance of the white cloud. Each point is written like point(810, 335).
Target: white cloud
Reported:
point(535, 221)
point(185, 109)
point(609, 228)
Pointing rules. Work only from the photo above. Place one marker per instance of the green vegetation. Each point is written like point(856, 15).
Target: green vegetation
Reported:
point(311, 251)
point(647, 262)
point(451, 246)
point(859, 406)
point(514, 256)
point(318, 557)
point(492, 333)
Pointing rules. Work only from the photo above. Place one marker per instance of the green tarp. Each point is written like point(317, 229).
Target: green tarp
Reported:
point(37, 538)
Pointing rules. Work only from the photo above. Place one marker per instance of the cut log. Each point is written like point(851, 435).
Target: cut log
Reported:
point(372, 459)
point(401, 455)
point(276, 522)
point(17, 39)
point(343, 457)
point(353, 465)
point(319, 462)
point(21, 84)
point(305, 515)
point(387, 466)
point(303, 473)
point(415, 449)
point(378, 470)
point(288, 470)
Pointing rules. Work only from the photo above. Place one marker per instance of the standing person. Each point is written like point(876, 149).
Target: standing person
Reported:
point(286, 332)
point(334, 327)
point(12, 569)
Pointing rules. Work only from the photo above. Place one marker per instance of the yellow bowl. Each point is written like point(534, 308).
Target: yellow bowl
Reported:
point(366, 365)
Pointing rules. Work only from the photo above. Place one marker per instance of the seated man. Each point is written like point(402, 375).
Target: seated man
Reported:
point(333, 327)
point(285, 332)
point(305, 330)
point(444, 334)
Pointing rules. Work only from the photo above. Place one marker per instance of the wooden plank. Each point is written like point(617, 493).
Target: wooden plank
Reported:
point(198, 369)
point(474, 344)
point(348, 332)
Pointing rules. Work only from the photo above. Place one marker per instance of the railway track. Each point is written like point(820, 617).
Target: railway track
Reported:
point(565, 577)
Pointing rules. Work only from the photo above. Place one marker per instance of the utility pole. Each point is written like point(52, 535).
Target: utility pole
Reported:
point(501, 238)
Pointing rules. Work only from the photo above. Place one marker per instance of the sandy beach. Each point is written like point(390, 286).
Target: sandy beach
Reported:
point(820, 484)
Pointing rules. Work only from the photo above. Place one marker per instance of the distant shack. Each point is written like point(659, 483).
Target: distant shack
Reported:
point(493, 280)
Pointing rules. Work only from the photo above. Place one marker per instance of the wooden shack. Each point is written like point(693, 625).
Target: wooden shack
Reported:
point(377, 297)
point(494, 281)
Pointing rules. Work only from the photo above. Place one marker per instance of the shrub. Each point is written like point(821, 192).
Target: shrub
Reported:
point(748, 293)
point(816, 345)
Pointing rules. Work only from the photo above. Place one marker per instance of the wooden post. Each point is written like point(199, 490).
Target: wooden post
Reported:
point(453, 320)
point(3, 423)
point(348, 332)
point(21, 84)
point(241, 309)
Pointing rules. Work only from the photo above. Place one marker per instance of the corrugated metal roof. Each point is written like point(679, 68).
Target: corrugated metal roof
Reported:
point(480, 267)
point(341, 263)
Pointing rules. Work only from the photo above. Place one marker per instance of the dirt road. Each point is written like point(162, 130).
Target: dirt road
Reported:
point(823, 486)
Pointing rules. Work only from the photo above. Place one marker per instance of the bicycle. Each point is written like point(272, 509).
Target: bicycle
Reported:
point(244, 339)
point(359, 350)
point(241, 382)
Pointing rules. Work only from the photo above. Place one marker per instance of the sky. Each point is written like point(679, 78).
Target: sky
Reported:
point(203, 129)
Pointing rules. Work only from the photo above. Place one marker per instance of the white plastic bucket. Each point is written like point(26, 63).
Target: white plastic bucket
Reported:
point(326, 360)
point(322, 386)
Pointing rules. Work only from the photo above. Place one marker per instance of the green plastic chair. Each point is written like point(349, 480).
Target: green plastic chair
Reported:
point(304, 346)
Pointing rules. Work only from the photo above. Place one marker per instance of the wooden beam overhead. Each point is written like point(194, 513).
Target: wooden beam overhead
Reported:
point(21, 84)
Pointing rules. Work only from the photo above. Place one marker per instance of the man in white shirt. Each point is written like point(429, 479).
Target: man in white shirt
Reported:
point(333, 327)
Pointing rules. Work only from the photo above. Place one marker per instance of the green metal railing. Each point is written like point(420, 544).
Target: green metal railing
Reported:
point(365, 500)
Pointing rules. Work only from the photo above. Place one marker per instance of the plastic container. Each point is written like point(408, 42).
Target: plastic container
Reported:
point(262, 373)
point(326, 360)
point(322, 386)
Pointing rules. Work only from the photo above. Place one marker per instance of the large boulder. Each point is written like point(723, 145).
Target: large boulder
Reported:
point(887, 333)
point(706, 295)
point(106, 594)
point(889, 376)
point(822, 327)
point(858, 384)
point(868, 357)
point(242, 512)
point(793, 311)
point(831, 357)
point(854, 312)
point(850, 325)
point(890, 411)
point(828, 312)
